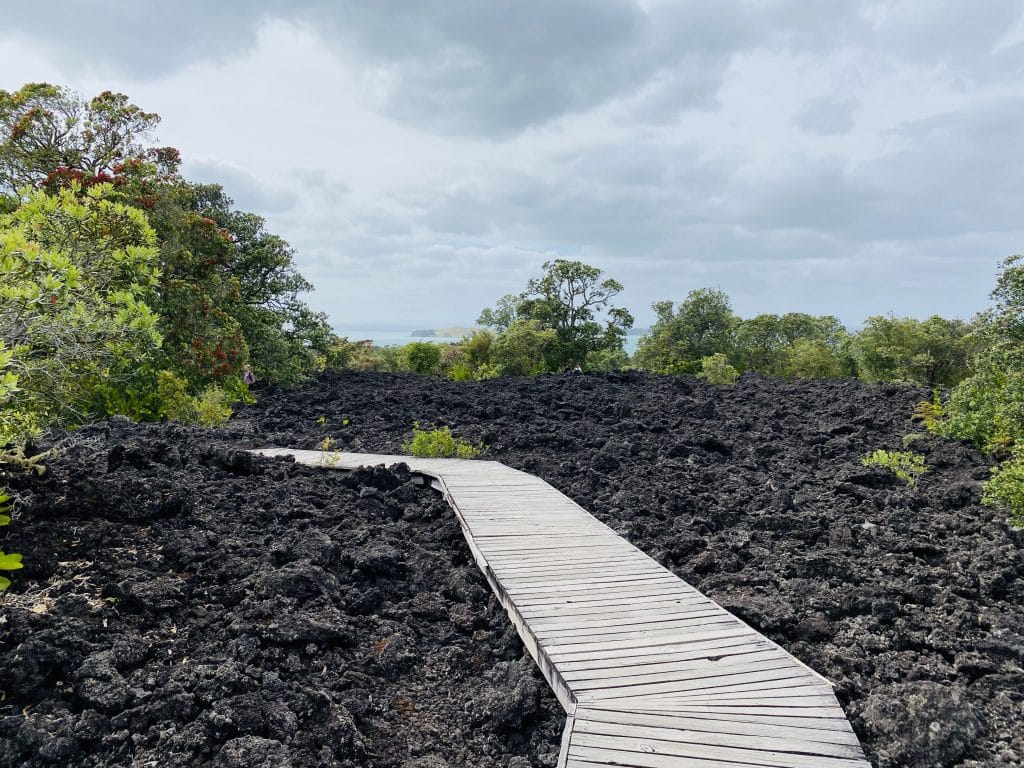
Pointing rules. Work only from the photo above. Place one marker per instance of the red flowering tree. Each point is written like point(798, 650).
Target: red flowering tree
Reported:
point(228, 289)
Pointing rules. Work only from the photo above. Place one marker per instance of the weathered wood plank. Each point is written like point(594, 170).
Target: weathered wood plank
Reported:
point(768, 740)
point(651, 753)
point(801, 729)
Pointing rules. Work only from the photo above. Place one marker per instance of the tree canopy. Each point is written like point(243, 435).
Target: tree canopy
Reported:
point(76, 273)
point(229, 293)
point(574, 301)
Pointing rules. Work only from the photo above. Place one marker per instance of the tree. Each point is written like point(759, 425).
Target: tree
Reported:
point(503, 314)
point(229, 289)
point(814, 359)
point(935, 352)
point(76, 272)
point(571, 299)
point(715, 369)
point(232, 286)
point(701, 326)
point(988, 406)
point(421, 357)
point(50, 133)
point(524, 348)
point(768, 344)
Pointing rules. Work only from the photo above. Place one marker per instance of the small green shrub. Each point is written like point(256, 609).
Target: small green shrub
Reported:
point(174, 400)
point(210, 409)
point(930, 412)
point(461, 371)
point(213, 407)
point(715, 369)
point(1005, 489)
point(906, 465)
point(420, 357)
point(8, 562)
point(439, 443)
point(487, 371)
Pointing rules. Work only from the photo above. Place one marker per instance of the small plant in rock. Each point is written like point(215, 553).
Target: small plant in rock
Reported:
point(8, 562)
point(906, 465)
point(329, 458)
point(211, 408)
point(715, 369)
point(930, 412)
point(440, 443)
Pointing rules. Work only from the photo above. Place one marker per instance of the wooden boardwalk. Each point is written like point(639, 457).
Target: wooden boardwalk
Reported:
point(651, 673)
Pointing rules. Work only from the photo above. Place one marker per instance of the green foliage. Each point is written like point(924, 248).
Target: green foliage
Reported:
point(238, 286)
point(229, 292)
point(793, 345)
point(606, 360)
point(572, 301)
point(461, 371)
point(502, 315)
point(470, 359)
point(934, 352)
point(906, 465)
point(715, 369)
point(173, 400)
point(987, 408)
point(76, 272)
point(8, 562)
point(440, 443)
point(49, 134)
point(211, 408)
point(815, 359)
point(421, 357)
point(702, 325)
point(1005, 489)
point(523, 349)
point(930, 412)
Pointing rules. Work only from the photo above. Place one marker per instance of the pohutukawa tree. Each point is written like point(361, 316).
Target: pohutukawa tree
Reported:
point(229, 292)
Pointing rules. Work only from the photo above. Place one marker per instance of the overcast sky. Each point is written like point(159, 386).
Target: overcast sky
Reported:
point(425, 157)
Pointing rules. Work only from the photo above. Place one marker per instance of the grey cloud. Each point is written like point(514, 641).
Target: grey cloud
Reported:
point(611, 198)
point(807, 194)
point(956, 173)
point(953, 33)
point(147, 38)
point(827, 115)
point(248, 192)
point(491, 69)
point(498, 68)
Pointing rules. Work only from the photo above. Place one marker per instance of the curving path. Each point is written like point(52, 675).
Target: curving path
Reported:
point(651, 673)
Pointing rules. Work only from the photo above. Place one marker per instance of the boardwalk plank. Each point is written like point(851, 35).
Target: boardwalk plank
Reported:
point(771, 741)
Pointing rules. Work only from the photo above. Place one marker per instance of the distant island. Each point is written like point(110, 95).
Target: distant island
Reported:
point(455, 332)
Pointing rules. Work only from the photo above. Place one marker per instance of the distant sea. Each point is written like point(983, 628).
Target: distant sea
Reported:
point(392, 338)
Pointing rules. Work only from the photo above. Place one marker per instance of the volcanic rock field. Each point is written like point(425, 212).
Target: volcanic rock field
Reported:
point(184, 603)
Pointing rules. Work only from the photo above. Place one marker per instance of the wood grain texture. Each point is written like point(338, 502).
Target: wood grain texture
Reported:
point(651, 673)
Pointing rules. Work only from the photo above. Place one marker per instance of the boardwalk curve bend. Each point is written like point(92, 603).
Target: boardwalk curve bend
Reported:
point(651, 673)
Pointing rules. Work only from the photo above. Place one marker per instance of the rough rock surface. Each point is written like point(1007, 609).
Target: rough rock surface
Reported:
point(189, 605)
point(205, 608)
point(910, 600)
